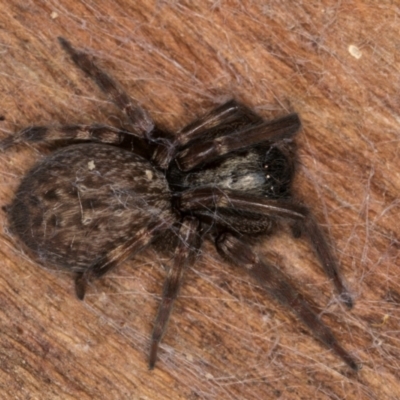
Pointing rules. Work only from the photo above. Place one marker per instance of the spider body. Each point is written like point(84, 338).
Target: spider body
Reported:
point(260, 172)
point(84, 200)
point(226, 177)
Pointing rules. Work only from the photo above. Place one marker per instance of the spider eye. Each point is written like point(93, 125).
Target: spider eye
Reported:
point(278, 173)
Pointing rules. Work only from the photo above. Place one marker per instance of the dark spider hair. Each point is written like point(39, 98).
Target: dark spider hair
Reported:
point(226, 177)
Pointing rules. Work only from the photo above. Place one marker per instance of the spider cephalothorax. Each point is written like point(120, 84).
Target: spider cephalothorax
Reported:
point(225, 177)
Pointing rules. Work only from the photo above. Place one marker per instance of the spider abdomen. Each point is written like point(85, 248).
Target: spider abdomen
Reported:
point(83, 201)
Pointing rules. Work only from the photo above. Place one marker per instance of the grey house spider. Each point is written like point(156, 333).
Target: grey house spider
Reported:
point(109, 193)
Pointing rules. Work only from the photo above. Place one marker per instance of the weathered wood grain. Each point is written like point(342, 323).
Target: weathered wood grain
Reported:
point(336, 64)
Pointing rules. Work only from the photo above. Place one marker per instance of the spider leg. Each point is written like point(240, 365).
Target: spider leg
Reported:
point(141, 122)
point(318, 241)
point(138, 242)
point(208, 199)
point(225, 119)
point(73, 133)
point(212, 198)
point(184, 253)
point(275, 282)
point(203, 152)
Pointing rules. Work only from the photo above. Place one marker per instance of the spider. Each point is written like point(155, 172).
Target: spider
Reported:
point(108, 193)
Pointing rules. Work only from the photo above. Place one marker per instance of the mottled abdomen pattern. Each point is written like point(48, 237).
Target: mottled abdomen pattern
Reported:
point(83, 201)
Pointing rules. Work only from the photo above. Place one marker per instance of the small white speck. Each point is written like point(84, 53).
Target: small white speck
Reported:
point(85, 347)
point(86, 220)
point(209, 376)
point(91, 165)
point(149, 174)
point(103, 298)
point(53, 15)
point(355, 51)
point(268, 176)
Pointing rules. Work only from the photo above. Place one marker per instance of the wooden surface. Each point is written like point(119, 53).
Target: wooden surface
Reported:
point(337, 65)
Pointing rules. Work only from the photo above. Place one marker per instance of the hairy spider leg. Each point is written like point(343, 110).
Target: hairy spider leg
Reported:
point(211, 198)
point(275, 282)
point(141, 122)
point(225, 119)
point(203, 152)
point(74, 133)
point(135, 244)
point(184, 254)
point(310, 228)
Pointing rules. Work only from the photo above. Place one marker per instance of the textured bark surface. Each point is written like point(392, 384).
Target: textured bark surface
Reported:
point(336, 64)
